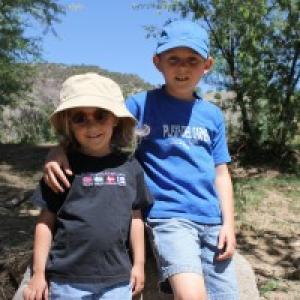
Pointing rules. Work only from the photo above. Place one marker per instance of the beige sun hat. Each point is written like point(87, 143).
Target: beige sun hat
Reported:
point(91, 90)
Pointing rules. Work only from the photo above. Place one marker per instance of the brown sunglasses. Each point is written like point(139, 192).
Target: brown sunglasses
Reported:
point(81, 118)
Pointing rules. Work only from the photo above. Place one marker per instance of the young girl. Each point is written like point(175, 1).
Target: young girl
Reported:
point(82, 235)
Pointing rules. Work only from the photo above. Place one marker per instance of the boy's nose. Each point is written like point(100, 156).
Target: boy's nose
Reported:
point(183, 63)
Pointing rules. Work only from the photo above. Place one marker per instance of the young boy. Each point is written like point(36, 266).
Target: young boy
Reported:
point(185, 158)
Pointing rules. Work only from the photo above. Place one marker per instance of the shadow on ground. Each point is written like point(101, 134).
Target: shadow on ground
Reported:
point(15, 251)
point(282, 261)
point(23, 158)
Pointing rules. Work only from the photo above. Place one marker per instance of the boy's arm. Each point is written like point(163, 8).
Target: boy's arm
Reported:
point(55, 167)
point(227, 241)
point(37, 287)
point(137, 244)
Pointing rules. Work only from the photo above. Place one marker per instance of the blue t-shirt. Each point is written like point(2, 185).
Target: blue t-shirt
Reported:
point(186, 142)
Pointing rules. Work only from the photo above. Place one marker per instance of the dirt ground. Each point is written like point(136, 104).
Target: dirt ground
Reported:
point(268, 234)
point(269, 237)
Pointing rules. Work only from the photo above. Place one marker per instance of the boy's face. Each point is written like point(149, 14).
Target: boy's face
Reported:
point(182, 69)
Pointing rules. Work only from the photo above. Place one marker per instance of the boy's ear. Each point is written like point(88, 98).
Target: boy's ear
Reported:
point(156, 61)
point(208, 64)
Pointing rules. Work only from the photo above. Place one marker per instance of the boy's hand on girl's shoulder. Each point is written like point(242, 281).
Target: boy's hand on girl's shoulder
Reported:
point(55, 168)
point(227, 242)
point(37, 288)
point(137, 278)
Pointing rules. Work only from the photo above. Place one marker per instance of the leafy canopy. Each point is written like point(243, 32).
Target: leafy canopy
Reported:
point(256, 45)
point(15, 47)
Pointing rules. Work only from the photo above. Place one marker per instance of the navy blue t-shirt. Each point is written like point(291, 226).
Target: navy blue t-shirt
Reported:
point(93, 219)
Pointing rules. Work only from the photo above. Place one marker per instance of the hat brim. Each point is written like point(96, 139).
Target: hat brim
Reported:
point(182, 43)
point(118, 109)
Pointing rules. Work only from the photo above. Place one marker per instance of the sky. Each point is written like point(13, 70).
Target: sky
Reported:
point(109, 34)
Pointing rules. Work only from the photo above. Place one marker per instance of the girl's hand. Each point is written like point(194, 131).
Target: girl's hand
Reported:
point(137, 278)
point(56, 164)
point(227, 242)
point(37, 288)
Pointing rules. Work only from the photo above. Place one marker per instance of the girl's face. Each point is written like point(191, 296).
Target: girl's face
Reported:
point(93, 129)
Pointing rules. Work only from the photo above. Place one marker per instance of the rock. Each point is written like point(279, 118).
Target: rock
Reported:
point(246, 278)
point(19, 293)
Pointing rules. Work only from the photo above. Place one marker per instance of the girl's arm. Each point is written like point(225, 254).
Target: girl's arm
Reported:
point(55, 164)
point(227, 241)
point(137, 244)
point(37, 287)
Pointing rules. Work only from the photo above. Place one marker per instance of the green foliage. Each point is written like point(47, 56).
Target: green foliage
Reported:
point(269, 286)
point(218, 96)
point(28, 125)
point(15, 79)
point(16, 47)
point(257, 49)
point(246, 193)
point(32, 126)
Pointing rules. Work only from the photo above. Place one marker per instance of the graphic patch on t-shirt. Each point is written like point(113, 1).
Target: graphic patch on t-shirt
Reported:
point(186, 135)
point(104, 178)
point(189, 132)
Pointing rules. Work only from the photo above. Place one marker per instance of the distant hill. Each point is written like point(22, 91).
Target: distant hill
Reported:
point(27, 121)
point(49, 78)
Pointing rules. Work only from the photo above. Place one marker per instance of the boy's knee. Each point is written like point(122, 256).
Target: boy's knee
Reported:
point(189, 295)
point(188, 286)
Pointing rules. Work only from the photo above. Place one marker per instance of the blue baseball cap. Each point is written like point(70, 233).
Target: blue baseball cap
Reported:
point(184, 33)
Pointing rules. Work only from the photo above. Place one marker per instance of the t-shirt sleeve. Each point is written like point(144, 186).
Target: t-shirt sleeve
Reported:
point(45, 198)
point(53, 201)
point(143, 197)
point(219, 146)
point(132, 106)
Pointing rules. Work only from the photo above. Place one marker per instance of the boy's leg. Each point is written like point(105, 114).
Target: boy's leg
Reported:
point(220, 276)
point(188, 286)
point(177, 249)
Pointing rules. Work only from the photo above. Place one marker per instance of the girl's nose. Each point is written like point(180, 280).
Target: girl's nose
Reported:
point(91, 121)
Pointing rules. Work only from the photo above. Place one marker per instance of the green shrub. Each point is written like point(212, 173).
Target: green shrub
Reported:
point(27, 125)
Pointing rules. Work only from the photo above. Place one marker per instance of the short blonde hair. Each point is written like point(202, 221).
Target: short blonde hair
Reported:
point(123, 138)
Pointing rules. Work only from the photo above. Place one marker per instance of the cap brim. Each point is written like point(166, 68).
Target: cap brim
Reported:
point(183, 43)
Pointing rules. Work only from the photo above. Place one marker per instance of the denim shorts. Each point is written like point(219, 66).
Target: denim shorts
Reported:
point(183, 246)
point(89, 291)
